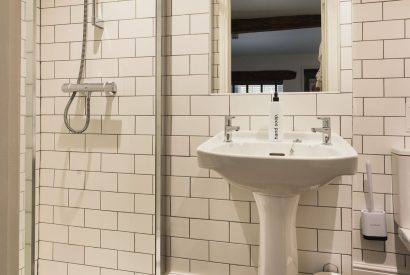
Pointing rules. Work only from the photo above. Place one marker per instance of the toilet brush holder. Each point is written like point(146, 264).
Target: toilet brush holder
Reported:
point(373, 221)
point(374, 225)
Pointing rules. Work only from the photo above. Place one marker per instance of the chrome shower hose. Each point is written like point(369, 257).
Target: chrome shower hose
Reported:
point(79, 79)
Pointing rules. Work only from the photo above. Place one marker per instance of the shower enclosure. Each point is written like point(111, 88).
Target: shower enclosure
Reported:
point(91, 199)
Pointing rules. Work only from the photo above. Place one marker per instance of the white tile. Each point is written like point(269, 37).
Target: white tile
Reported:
point(144, 164)
point(54, 196)
point(145, 46)
point(243, 270)
point(85, 161)
point(209, 105)
point(189, 207)
point(177, 227)
point(145, 125)
point(345, 13)
point(74, 269)
point(101, 181)
point(397, 87)
point(311, 262)
point(367, 12)
point(117, 163)
point(397, 48)
point(53, 16)
point(395, 126)
point(136, 28)
point(131, 183)
point(368, 87)
point(145, 8)
point(56, 51)
point(145, 243)
point(118, 10)
point(145, 204)
point(84, 236)
point(68, 33)
point(383, 30)
point(199, 64)
point(118, 125)
point(178, 65)
point(244, 233)
point(396, 10)
point(188, 7)
point(188, 248)
point(187, 166)
point(177, 145)
point(177, 186)
point(142, 105)
point(118, 48)
point(117, 240)
point(135, 144)
point(209, 188)
point(117, 202)
point(190, 125)
point(368, 49)
point(177, 25)
point(141, 66)
point(84, 199)
point(68, 216)
point(102, 68)
point(334, 104)
point(137, 262)
point(209, 230)
point(53, 233)
point(381, 144)
point(368, 125)
point(229, 210)
point(190, 85)
point(52, 267)
point(100, 219)
point(202, 267)
point(69, 179)
point(200, 23)
point(190, 44)
point(114, 272)
point(229, 253)
point(307, 239)
point(335, 196)
point(68, 253)
point(135, 223)
point(101, 257)
point(322, 217)
point(391, 107)
point(334, 241)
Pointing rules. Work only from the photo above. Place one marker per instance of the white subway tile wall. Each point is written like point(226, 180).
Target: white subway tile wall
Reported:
point(380, 91)
point(212, 227)
point(96, 189)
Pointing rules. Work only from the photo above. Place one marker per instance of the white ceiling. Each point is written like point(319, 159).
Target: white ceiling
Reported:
point(278, 42)
point(272, 8)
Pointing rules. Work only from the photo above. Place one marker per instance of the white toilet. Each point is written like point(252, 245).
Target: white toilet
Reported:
point(401, 192)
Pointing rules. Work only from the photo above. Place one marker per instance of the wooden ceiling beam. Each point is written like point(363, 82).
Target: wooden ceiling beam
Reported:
point(262, 76)
point(275, 23)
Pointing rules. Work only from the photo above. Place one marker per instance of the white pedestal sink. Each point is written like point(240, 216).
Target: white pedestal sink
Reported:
point(277, 173)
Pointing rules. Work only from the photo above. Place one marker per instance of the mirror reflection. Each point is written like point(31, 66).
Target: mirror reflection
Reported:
point(276, 46)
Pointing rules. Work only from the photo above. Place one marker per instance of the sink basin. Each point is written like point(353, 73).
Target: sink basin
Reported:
point(277, 173)
point(255, 163)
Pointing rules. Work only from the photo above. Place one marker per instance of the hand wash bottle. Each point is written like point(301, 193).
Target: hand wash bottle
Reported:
point(275, 119)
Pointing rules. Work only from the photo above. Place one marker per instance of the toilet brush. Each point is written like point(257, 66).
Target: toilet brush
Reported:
point(373, 221)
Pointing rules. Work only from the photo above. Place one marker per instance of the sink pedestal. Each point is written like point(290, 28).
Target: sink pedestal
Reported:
point(278, 244)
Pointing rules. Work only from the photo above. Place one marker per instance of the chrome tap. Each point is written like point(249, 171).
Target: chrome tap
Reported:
point(326, 130)
point(229, 128)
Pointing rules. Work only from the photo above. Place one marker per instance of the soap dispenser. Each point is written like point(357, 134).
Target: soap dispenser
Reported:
point(275, 119)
